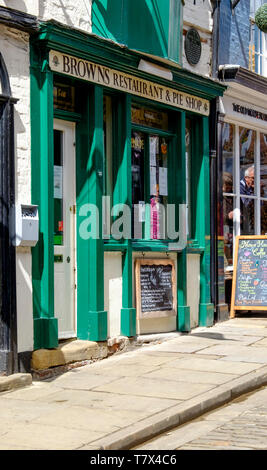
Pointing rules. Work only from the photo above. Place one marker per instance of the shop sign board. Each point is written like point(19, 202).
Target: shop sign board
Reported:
point(155, 288)
point(249, 288)
point(105, 76)
point(241, 111)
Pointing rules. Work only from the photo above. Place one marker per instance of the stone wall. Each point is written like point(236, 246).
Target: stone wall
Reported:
point(14, 46)
point(76, 14)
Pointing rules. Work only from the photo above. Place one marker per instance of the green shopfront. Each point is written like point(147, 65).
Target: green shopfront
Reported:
point(120, 172)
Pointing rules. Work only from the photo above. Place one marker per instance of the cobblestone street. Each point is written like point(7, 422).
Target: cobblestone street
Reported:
point(241, 425)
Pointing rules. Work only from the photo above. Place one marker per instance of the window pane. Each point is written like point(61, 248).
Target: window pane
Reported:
point(188, 156)
point(149, 117)
point(64, 97)
point(228, 157)
point(149, 185)
point(263, 217)
point(58, 188)
point(158, 153)
point(247, 221)
point(138, 146)
point(247, 139)
point(263, 169)
point(108, 145)
point(228, 228)
point(138, 193)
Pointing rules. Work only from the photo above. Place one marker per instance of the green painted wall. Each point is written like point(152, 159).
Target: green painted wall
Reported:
point(152, 26)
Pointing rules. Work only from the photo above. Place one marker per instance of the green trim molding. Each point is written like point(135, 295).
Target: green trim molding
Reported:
point(42, 161)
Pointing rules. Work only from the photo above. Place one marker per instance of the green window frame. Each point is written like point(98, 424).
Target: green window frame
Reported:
point(121, 155)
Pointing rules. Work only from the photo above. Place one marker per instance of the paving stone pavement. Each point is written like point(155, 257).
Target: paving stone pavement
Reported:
point(131, 397)
point(241, 425)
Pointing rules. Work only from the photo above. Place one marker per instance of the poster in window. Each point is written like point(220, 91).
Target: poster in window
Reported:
point(163, 181)
point(58, 182)
point(153, 181)
point(153, 141)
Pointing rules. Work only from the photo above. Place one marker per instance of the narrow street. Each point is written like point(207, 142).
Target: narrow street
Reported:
point(241, 425)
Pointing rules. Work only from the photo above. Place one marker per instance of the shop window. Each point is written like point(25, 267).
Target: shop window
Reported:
point(228, 190)
point(244, 184)
point(64, 97)
point(149, 117)
point(247, 142)
point(150, 182)
point(263, 183)
point(150, 172)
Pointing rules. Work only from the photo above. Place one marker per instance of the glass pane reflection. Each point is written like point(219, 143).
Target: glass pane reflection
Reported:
point(247, 152)
point(228, 152)
point(263, 217)
point(228, 229)
point(263, 169)
point(247, 221)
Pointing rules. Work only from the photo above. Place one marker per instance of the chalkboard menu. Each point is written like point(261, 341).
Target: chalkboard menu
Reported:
point(155, 288)
point(249, 289)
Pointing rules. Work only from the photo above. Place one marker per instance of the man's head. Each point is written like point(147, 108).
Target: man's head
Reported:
point(249, 176)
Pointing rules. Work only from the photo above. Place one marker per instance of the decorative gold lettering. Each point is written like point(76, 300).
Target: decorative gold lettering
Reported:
point(82, 69)
point(90, 70)
point(73, 66)
point(115, 79)
point(144, 88)
point(66, 61)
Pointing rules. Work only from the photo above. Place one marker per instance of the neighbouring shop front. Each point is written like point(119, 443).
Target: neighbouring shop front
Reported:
point(120, 172)
point(242, 169)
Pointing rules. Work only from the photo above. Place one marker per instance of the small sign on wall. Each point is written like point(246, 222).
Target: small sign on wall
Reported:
point(155, 288)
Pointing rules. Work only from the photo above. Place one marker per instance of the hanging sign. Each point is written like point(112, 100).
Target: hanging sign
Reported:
point(102, 75)
point(249, 288)
point(155, 288)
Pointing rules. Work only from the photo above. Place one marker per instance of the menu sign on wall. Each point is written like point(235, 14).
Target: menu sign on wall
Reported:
point(155, 288)
point(249, 290)
point(102, 75)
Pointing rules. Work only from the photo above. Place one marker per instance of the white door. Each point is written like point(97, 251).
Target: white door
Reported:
point(64, 228)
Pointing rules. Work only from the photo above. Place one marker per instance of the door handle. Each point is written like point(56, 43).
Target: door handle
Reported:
point(68, 259)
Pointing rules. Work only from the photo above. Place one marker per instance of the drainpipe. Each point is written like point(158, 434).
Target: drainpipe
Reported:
point(221, 310)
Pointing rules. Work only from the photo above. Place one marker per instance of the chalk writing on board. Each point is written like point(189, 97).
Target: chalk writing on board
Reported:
point(251, 273)
point(156, 288)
